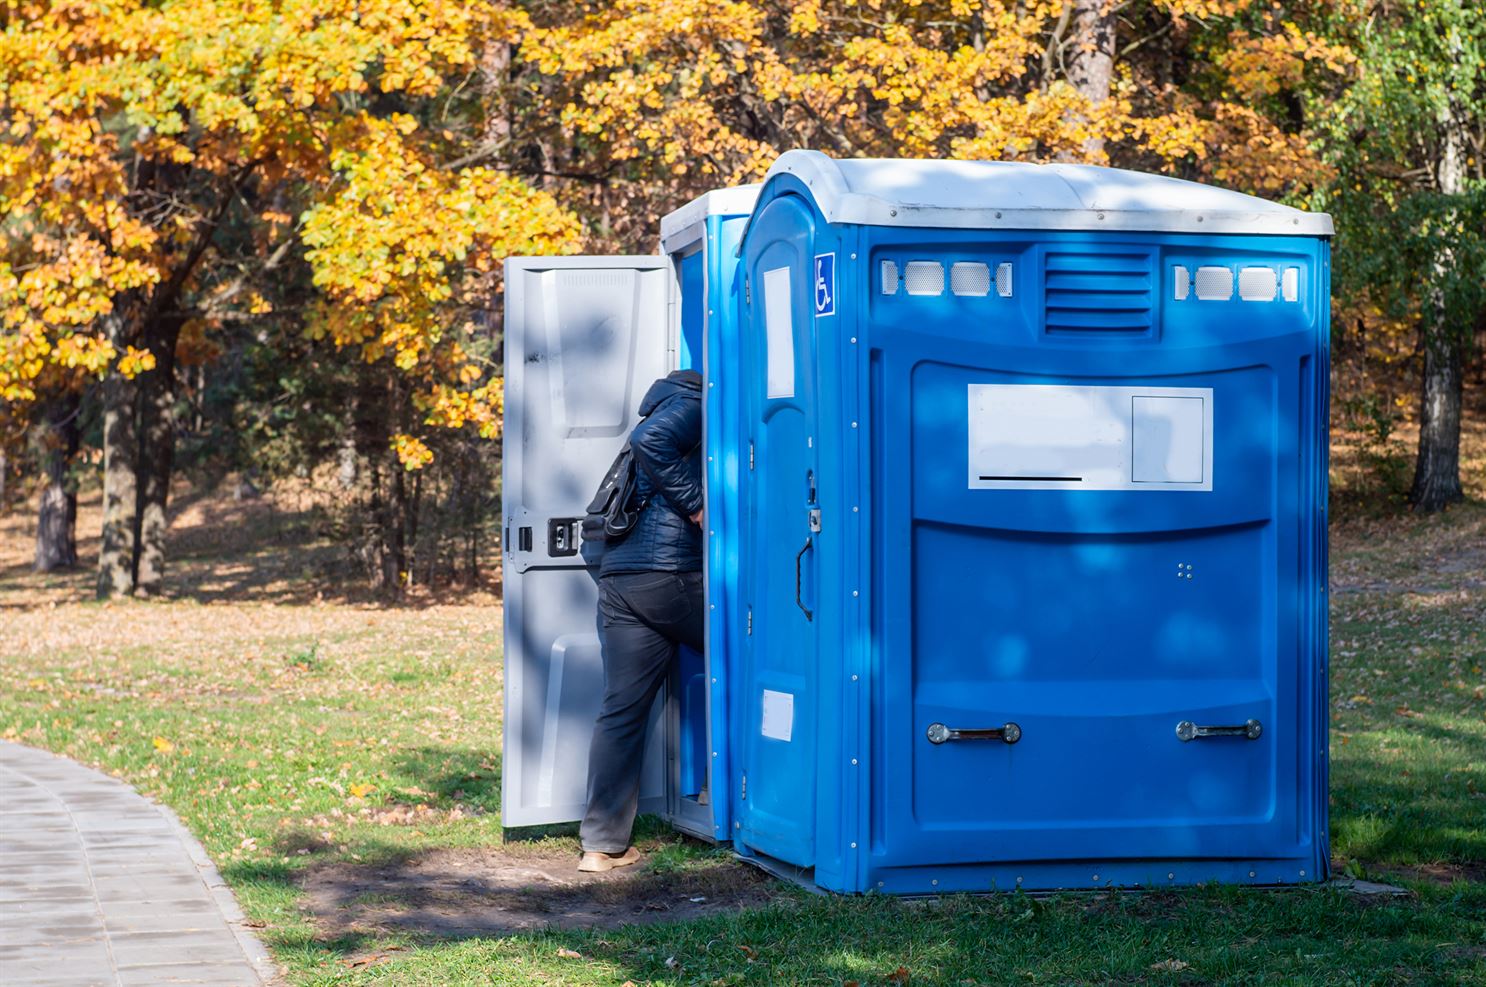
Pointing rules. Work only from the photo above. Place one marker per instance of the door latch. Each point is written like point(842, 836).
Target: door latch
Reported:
point(563, 536)
point(938, 733)
point(815, 520)
point(1187, 730)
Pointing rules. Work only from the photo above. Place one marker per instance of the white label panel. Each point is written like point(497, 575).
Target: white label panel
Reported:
point(1065, 437)
point(779, 334)
point(1168, 439)
point(779, 715)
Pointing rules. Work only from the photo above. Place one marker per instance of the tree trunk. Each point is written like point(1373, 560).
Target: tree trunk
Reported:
point(346, 460)
point(1091, 60)
point(56, 522)
point(395, 528)
point(116, 555)
point(156, 458)
point(1437, 468)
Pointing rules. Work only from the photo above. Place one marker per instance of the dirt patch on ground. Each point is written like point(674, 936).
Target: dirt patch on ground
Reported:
point(1437, 873)
point(466, 893)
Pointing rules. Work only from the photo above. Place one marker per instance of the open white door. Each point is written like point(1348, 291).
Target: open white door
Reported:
point(585, 336)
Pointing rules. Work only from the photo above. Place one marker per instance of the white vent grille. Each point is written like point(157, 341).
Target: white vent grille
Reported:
point(1183, 282)
point(924, 277)
point(1214, 284)
point(889, 278)
point(1003, 280)
point(967, 278)
point(1291, 282)
point(1257, 284)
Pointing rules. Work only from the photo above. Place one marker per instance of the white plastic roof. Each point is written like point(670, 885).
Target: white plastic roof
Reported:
point(676, 227)
point(1020, 196)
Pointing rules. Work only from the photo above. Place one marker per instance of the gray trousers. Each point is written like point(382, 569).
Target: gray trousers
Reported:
point(643, 617)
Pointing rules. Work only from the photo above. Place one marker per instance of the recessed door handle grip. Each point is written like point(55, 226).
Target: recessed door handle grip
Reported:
point(1187, 730)
point(799, 589)
point(938, 733)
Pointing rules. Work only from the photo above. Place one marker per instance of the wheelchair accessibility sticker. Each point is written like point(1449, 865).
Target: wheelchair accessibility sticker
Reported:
point(825, 284)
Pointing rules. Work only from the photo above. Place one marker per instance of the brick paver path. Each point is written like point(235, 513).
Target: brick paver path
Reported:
point(98, 885)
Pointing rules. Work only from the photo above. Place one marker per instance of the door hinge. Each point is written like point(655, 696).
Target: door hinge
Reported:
point(743, 793)
point(750, 621)
point(750, 455)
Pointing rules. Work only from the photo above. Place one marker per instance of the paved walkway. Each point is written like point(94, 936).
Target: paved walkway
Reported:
point(98, 885)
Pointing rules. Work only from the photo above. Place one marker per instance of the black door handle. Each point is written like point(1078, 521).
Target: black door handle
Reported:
point(799, 598)
point(1187, 730)
point(938, 733)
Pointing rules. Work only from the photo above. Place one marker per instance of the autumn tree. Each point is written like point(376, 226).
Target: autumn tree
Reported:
point(633, 106)
point(1408, 142)
point(140, 135)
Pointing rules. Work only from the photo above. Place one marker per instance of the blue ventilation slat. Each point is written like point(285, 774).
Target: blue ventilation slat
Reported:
point(1124, 283)
point(1065, 320)
point(1098, 292)
point(1100, 263)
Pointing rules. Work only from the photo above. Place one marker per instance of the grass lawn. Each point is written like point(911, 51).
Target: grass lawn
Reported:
point(301, 732)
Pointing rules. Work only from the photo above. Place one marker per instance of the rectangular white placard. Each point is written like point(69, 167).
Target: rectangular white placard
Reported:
point(1168, 446)
point(779, 334)
point(779, 715)
point(1071, 437)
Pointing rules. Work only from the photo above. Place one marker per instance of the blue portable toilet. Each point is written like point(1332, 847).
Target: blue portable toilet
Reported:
point(1033, 529)
point(1016, 525)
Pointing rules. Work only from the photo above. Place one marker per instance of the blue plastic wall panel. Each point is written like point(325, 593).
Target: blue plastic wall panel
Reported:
point(725, 627)
point(691, 744)
point(1096, 614)
point(691, 272)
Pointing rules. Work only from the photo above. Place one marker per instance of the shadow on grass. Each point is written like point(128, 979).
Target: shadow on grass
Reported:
point(1392, 813)
point(460, 918)
point(452, 776)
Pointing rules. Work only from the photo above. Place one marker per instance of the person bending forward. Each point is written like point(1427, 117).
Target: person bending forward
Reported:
point(650, 602)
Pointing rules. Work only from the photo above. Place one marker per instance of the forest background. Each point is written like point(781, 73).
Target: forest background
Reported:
point(261, 239)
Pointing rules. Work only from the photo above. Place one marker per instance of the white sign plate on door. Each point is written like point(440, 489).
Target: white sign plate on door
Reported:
point(779, 334)
point(778, 716)
point(1067, 437)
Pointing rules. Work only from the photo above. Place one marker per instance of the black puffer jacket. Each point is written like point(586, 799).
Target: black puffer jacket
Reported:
point(668, 473)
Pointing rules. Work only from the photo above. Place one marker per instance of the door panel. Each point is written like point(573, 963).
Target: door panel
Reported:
point(777, 725)
point(585, 336)
point(1099, 621)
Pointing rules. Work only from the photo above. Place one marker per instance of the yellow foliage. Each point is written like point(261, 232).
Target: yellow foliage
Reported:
point(338, 112)
point(135, 362)
point(94, 95)
point(411, 452)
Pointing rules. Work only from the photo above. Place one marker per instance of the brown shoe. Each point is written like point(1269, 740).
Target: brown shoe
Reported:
point(595, 862)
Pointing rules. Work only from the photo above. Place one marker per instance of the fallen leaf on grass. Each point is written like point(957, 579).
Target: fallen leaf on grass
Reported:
point(253, 923)
point(361, 791)
point(1405, 711)
point(163, 746)
point(569, 954)
point(899, 976)
point(359, 961)
point(749, 952)
point(672, 963)
point(1172, 965)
